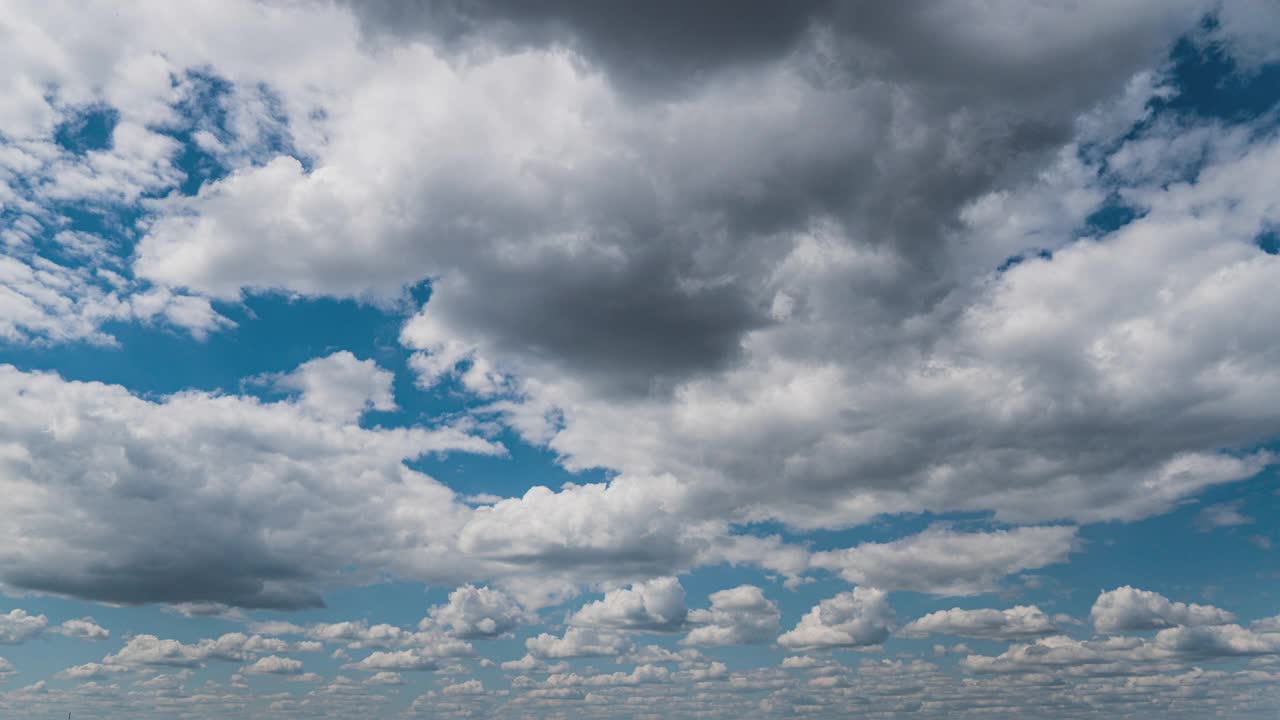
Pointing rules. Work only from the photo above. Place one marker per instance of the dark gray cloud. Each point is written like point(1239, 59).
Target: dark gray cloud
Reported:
point(649, 46)
point(632, 329)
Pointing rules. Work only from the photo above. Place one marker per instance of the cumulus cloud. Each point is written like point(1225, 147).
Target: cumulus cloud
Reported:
point(189, 481)
point(1128, 609)
point(340, 386)
point(577, 642)
point(1218, 641)
point(1170, 649)
point(84, 628)
point(92, 670)
point(477, 613)
point(947, 562)
point(273, 665)
point(1059, 652)
point(655, 605)
point(397, 661)
point(1015, 623)
point(737, 616)
point(466, 687)
point(385, 677)
point(859, 618)
point(18, 626)
point(149, 650)
point(358, 634)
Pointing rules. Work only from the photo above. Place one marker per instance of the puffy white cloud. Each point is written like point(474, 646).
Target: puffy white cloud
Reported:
point(149, 650)
point(1218, 641)
point(6, 669)
point(273, 665)
point(18, 626)
point(340, 386)
point(654, 605)
point(1128, 609)
point(947, 562)
point(1059, 652)
point(859, 618)
point(477, 613)
point(655, 654)
point(412, 659)
point(1022, 621)
point(277, 627)
point(423, 651)
point(92, 670)
point(1169, 650)
point(640, 675)
point(123, 485)
point(737, 616)
point(632, 526)
point(577, 642)
point(44, 301)
point(384, 677)
point(83, 629)
point(466, 687)
point(531, 664)
point(359, 634)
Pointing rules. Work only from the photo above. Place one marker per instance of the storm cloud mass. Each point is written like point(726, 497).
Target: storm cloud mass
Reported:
point(605, 359)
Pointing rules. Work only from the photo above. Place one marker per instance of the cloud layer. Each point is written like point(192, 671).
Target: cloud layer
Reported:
point(779, 319)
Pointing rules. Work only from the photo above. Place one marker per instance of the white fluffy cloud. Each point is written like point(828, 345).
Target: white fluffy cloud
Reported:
point(860, 618)
point(340, 386)
point(577, 642)
point(149, 650)
point(655, 605)
point(1218, 640)
point(273, 665)
point(477, 613)
point(737, 616)
point(466, 687)
point(84, 628)
point(187, 481)
point(632, 526)
point(1022, 621)
point(18, 626)
point(359, 634)
point(947, 562)
point(1128, 609)
point(398, 661)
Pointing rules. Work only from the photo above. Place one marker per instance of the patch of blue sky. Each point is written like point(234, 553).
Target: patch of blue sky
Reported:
point(90, 129)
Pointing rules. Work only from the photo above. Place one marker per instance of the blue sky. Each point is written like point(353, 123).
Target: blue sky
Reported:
point(482, 360)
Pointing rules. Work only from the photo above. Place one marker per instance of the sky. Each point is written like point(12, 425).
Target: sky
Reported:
point(552, 359)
